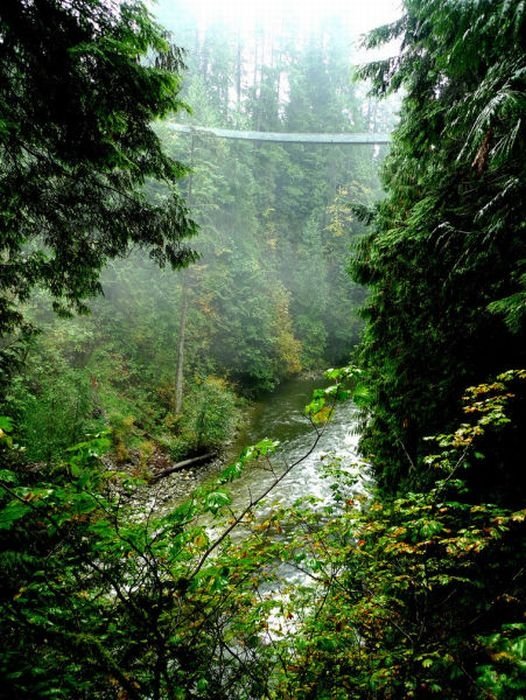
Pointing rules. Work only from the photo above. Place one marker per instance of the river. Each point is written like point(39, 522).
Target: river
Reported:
point(280, 416)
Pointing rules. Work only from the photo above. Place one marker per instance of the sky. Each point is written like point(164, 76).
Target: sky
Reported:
point(361, 14)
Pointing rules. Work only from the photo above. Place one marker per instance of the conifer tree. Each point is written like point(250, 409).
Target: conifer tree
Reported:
point(445, 262)
point(77, 149)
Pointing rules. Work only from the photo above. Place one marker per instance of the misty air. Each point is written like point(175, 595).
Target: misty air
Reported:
point(262, 349)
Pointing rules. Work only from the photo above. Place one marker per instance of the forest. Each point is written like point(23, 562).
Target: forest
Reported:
point(171, 525)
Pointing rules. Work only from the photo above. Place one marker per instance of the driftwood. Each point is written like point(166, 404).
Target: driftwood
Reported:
point(181, 465)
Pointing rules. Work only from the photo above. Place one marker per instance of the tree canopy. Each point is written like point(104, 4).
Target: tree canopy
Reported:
point(446, 260)
point(81, 83)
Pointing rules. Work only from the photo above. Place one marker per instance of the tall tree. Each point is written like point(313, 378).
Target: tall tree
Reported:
point(445, 262)
point(77, 100)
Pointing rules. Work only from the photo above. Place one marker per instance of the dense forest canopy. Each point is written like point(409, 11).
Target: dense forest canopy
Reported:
point(77, 147)
point(445, 262)
point(410, 587)
point(270, 295)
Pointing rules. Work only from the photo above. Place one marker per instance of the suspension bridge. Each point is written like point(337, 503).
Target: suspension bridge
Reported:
point(279, 137)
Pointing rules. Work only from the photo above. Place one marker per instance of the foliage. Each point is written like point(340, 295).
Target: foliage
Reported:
point(72, 386)
point(417, 596)
point(77, 148)
point(445, 260)
point(53, 413)
point(270, 296)
point(420, 595)
point(209, 420)
point(266, 213)
point(98, 602)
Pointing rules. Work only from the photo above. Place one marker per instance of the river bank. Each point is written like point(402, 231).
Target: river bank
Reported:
point(280, 417)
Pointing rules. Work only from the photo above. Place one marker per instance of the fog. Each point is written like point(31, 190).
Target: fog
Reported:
point(271, 295)
point(358, 16)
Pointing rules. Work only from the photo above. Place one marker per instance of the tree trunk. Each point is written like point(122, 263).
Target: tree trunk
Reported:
point(179, 372)
point(238, 74)
point(181, 465)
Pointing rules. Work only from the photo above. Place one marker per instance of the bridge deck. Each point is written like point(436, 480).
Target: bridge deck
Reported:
point(278, 137)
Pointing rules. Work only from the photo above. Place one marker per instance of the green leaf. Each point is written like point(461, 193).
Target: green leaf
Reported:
point(266, 446)
point(202, 685)
point(13, 511)
point(216, 500)
point(314, 407)
point(232, 472)
point(6, 424)
point(8, 476)
point(361, 395)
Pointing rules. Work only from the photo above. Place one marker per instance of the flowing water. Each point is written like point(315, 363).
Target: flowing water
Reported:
point(278, 416)
point(281, 417)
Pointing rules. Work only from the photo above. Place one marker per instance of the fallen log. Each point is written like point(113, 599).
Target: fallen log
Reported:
point(181, 465)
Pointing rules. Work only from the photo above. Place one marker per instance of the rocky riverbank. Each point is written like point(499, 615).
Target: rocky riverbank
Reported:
point(156, 496)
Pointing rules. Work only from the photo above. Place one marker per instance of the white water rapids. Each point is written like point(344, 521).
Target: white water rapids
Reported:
point(281, 417)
